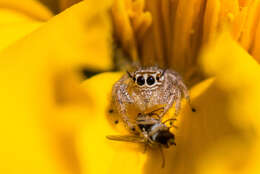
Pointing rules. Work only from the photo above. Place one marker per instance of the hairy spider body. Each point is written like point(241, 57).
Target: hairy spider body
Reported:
point(146, 88)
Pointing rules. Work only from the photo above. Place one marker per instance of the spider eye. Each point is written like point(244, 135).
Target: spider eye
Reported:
point(140, 80)
point(150, 80)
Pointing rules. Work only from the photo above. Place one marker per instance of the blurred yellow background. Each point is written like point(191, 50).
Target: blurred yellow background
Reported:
point(54, 120)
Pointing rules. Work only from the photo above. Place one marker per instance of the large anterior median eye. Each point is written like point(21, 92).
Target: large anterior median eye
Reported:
point(140, 80)
point(150, 80)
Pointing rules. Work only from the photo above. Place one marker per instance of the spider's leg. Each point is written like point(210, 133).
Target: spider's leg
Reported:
point(121, 99)
point(178, 103)
point(186, 94)
point(170, 100)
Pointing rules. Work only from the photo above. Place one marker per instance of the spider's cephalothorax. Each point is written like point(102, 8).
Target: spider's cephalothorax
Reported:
point(146, 88)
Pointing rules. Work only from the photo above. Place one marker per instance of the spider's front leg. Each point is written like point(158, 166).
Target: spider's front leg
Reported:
point(121, 99)
point(183, 89)
point(178, 103)
point(186, 94)
point(174, 96)
point(175, 89)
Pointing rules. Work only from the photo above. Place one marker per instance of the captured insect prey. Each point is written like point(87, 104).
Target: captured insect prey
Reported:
point(146, 88)
point(153, 133)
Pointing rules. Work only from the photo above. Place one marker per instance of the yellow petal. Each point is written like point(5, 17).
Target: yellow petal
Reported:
point(229, 127)
point(19, 18)
point(238, 76)
point(41, 99)
point(11, 32)
point(68, 35)
point(31, 8)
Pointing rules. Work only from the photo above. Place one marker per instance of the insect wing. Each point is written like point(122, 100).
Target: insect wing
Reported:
point(126, 138)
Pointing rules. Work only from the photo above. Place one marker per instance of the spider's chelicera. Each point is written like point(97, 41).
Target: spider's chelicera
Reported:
point(146, 88)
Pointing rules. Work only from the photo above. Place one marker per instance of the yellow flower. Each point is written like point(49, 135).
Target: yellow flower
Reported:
point(51, 122)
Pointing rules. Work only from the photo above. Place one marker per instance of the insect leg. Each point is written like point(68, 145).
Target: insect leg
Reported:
point(159, 109)
point(171, 119)
point(172, 125)
point(153, 113)
point(145, 147)
point(163, 157)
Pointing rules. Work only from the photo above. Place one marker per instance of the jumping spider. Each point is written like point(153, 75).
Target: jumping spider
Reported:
point(148, 87)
